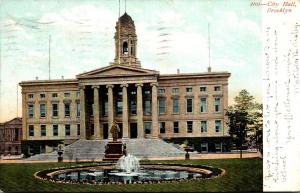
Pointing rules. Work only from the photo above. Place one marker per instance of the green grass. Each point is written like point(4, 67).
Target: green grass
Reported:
point(241, 175)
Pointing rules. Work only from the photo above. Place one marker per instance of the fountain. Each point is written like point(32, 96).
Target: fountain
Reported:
point(128, 163)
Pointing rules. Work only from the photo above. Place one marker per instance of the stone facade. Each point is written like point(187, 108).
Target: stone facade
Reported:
point(10, 137)
point(145, 103)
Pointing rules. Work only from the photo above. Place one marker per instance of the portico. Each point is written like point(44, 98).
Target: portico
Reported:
point(106, 97)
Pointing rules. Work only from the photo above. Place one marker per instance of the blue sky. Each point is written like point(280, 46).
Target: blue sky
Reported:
point(172, 34)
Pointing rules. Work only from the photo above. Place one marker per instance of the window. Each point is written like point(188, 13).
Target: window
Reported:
point(217, 125)
point(119, 107)
point(175, 105)
point(176, 127)
point(77, 94)
point(42, 110)
point(175, 90)
point(189, 105)
point(55, 130)
point(162, 127)
point(67, 94)
point(30, 110)
point(217, 88)
point(189, 89)
point(43, 95)
point(147, 126)
point(204, 147)
point(78, 129)
point(203, 89)
point(67, 109)
point(31, 130)
point(161, 91)
point(78, 109)
point(125, 48)
point(92, 129)
point(30, 96)
point(217, 104)
point(105, 108)
point(203, 126)
point(54, 95)
point(162, 106)
point(133, 103)
point(203, 105)
point(55, 110)
point(43, 130)
point(189, 126)
point(67, 130)
point(218, 147)
point(147, 107)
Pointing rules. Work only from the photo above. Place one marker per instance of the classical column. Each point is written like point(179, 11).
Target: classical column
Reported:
point(140, 114)
point(96, 112)
point(125, 111)
point(110, 108)
point(154, 111)
point(82, 114)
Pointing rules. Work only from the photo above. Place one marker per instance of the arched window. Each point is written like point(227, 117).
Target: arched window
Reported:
point(125, 48)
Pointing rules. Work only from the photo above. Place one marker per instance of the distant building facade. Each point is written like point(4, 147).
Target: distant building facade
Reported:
point(10, 137)
point(145, 103)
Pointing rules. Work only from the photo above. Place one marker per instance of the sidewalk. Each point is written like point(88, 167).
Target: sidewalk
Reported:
point(192, 157)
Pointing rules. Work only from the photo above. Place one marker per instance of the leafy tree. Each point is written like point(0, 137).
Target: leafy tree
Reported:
point(244, 116)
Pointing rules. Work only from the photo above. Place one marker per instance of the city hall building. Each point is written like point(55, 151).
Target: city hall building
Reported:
point(144, 103)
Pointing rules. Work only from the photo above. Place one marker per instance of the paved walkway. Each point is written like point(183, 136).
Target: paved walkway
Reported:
point(192, 157)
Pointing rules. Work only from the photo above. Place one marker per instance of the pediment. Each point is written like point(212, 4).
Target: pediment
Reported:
point(116, 70)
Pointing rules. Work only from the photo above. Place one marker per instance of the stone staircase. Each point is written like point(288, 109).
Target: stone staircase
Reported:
point(93, 150)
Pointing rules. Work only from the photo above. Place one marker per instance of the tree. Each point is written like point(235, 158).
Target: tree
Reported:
point(244, 116)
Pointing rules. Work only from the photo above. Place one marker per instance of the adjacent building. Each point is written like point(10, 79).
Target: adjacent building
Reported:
point(10, 137)
point(145, 103)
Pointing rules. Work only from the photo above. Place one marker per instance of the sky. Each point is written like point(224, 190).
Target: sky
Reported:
point(172, 34)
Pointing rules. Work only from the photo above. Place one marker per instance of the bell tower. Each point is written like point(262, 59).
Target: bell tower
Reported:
point(126, 42)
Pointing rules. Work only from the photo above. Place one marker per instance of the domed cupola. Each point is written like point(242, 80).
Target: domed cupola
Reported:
point(126, 42)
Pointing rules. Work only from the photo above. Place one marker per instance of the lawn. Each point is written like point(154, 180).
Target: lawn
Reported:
point(241, 175)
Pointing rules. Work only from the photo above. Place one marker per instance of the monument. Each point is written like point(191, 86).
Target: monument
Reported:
point(114, 149)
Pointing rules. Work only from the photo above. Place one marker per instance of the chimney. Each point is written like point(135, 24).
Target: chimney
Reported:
point(178, 71)
point(209, 69)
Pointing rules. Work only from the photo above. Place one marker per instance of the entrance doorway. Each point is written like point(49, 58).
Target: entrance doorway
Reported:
point(133, 130)
point(105, 131)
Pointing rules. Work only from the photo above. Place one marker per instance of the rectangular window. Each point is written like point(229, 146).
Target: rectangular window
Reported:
point(176, 127)
point(78, 109)
point(203, 89)
point(67, 109)
point(92, 129)
point(175, 90)
point(67, 130)
point(55, 130)
point(217, 104)
point(189, 125)
point(204, 147)
point(218, 125)
point(189, 105)
point(161, 91)
point(42, 110)
point(54, 95)
point(43, 130)
point(189, 89)
point(147, 126)
point(147, 107)
point(105, 108)
point(67, 94)
point(119, 107)
point(31, 130)
point(218, 147)
point(30, 110)
point(162, 106)
point(203, 126)
point(93, 109)
point(54, 110)
point(78, 129)
point(30, 96)
point(162, 127)
point(77, 94)
point(203, 105)
point(175, 105)
point(43, 95)
point(217, 88)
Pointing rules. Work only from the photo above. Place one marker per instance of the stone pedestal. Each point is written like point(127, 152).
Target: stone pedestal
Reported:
point(113, 151)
